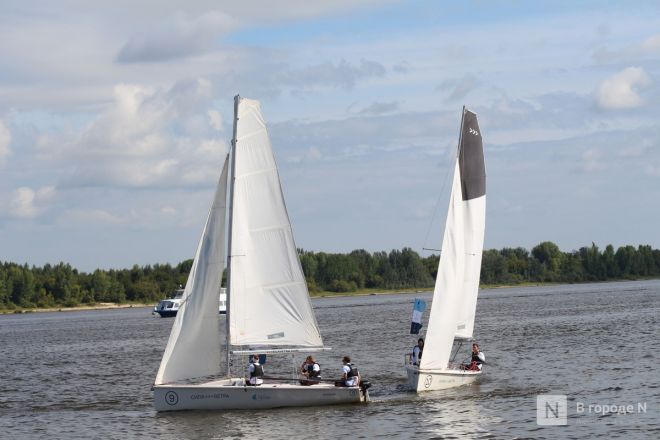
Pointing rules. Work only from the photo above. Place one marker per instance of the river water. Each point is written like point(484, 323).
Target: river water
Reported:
point(88, 374)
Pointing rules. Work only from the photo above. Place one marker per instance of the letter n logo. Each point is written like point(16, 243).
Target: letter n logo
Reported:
point(551, 410)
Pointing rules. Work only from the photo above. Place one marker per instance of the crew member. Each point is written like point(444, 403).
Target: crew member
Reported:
point(350, 374)
point(417, 352)
point(478, 358)
point(255, 371)
point(311, 370)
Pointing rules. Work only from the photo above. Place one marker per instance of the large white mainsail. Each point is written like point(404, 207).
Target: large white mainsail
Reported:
point(193, 349)
point(457, 282)
point(269, 303)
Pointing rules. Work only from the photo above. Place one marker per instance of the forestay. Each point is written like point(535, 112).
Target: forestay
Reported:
point(457, 282)
point(193, 349)
point(269, 303)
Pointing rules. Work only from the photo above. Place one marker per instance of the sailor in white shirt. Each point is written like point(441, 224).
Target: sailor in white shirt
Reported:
point(478, 358)
point(350, 376)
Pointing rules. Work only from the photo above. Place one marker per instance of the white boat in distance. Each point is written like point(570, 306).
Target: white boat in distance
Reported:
point(457, 282)
point(168, 308)
point(268, 305)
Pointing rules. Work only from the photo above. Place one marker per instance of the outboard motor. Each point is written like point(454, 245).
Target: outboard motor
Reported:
point(365, 385)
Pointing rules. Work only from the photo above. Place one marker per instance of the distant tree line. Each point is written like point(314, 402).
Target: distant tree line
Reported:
point(62, 285)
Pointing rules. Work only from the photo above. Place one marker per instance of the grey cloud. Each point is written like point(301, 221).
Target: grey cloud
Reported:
point(402, 67)
point(179, 39)
point(344, 74)
point(379, 108)
point(459, 88)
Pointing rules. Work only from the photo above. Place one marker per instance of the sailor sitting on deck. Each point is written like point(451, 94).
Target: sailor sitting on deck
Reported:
point(311, 370)
point(478, 358)
point(255, 371)
point(350, 376)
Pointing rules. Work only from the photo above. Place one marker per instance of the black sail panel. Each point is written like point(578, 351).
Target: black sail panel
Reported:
point(471, 158)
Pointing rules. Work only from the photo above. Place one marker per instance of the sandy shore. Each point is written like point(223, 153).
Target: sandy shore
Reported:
point(97, 306)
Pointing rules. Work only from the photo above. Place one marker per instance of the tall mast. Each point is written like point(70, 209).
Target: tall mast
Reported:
point(460, 133)
point(232, 172)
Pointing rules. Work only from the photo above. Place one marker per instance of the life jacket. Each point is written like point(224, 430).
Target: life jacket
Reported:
point(258, 371)
point(353, 372)
point(475, 358)
point(310, 370)
point(421, 349)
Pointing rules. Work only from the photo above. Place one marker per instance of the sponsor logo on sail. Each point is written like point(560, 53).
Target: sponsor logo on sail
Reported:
point(473, 131)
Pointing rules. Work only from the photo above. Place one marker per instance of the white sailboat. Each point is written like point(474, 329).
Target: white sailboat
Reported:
point(168, 308)
point(457, 283)
point(268, 305)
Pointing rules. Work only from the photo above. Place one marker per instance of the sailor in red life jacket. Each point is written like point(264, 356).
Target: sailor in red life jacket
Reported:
point(478, 358)
point(255, 371)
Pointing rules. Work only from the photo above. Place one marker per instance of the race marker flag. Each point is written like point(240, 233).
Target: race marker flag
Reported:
point(418, 310)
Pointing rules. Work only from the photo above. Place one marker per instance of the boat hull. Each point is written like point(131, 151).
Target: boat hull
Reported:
point(233, 394)
point(171, 314)
point(433, 380)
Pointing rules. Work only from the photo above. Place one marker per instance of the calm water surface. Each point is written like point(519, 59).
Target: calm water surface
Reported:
point(88, 374)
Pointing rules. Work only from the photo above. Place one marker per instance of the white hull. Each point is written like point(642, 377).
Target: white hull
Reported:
point(233, 394)
point(433, 380)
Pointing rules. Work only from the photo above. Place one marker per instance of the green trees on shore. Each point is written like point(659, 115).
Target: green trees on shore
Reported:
point(62, 285)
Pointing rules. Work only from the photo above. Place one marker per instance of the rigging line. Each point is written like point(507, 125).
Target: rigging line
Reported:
point(437, 202)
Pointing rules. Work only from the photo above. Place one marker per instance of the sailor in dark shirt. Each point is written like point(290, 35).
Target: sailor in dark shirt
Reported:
point(256, 371)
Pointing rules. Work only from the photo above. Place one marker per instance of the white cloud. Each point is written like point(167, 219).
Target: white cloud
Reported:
point(27, 203)
point(145, 137)
point(5, 140)
point(91, 216)
point(215, 119)
point(621, 91)
point(312, 154)
point(652, 43)
point(168, 210)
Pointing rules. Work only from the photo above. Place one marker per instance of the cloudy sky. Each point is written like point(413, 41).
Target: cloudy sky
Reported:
point(115, 118)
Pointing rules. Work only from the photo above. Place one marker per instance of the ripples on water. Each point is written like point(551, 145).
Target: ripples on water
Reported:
point(88, 374)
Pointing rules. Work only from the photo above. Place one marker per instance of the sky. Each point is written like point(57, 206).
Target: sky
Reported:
point(115, 117)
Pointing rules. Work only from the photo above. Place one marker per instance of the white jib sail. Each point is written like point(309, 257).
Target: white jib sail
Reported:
point(457, 282)
point(193, 349)
point(269, 303)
